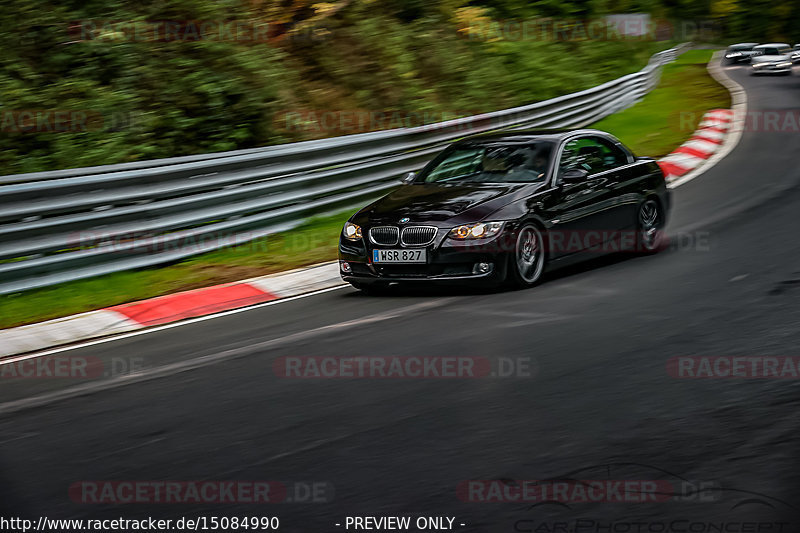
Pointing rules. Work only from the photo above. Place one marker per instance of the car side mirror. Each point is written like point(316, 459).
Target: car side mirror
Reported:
point(574, 175)
point(408, 178)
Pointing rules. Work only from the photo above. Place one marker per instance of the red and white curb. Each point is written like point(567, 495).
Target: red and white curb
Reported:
point(705, 142)
point(170, 308)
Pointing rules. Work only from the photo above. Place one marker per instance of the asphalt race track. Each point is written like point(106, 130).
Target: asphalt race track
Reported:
point(599, 403)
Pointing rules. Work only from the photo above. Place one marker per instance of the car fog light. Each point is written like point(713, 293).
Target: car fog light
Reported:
point(482, 268)
point(346, 267)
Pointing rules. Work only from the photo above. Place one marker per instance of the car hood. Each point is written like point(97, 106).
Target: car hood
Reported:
point(770, 59)
point(430, 202)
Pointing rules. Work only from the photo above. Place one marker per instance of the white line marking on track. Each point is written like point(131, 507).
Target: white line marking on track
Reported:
point(208, 359)
point(162, 327)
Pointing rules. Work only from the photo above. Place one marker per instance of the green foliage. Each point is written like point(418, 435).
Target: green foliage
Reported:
point(160, 99)
point(150, 99)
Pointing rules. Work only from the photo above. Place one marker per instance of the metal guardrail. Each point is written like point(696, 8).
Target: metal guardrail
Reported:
point(78, 223)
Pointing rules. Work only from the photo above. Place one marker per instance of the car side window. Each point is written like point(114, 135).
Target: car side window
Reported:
point(613, 156)
point(571, 159)
point(592, 154)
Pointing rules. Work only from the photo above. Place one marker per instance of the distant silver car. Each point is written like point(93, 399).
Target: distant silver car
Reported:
point(796, 54)
point(740, 53)
point(773, 58)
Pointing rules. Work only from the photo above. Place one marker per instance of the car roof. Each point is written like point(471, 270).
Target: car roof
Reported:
point(742, 44)
point(773, 45)
point(529, 135)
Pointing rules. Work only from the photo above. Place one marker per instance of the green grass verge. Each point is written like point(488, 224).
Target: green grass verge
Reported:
point(669, 114)
point(655, 126)
point(313, 242)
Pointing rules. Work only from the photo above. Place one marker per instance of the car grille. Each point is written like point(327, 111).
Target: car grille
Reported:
point(384, 235)
point(418, 235)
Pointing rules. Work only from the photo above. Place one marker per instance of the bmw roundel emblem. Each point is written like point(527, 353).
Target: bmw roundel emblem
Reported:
point(404, 220)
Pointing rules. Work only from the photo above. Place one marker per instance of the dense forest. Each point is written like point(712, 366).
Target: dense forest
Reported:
point(87, 82)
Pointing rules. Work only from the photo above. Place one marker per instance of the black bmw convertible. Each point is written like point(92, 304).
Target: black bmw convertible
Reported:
point(504, 208)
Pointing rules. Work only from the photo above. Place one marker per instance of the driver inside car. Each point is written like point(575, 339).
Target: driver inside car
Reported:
point(518, 165)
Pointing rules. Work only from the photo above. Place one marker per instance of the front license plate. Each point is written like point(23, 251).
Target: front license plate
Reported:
point(399, 256)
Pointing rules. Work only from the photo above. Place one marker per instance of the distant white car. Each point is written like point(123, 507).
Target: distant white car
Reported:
point(740, 53)
point(796, 54)
point(773, 58)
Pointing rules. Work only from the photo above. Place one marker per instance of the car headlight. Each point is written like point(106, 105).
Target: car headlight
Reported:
point(784, 64)
point(481, 230)
point(351, 231)
point(733, 54)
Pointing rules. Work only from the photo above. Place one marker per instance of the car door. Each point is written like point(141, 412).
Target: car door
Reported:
point(580, 206)
point(623, 185)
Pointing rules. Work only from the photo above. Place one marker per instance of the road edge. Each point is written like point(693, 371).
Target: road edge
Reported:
point(167, 309)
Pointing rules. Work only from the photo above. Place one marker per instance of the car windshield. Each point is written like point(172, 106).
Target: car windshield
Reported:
point(775, 51)
point(740, 48)
point(492, 163)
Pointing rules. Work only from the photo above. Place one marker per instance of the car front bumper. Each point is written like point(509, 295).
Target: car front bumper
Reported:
point(738, 59)
point(447, 261)
point(771, 69)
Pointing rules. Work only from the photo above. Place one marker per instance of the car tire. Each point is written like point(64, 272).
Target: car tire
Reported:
point(650, 237)
point(527, 262)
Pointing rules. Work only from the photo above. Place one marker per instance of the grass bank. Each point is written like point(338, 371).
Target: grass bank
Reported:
point(146, 96)
point(651, 127)
point(671, 112)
